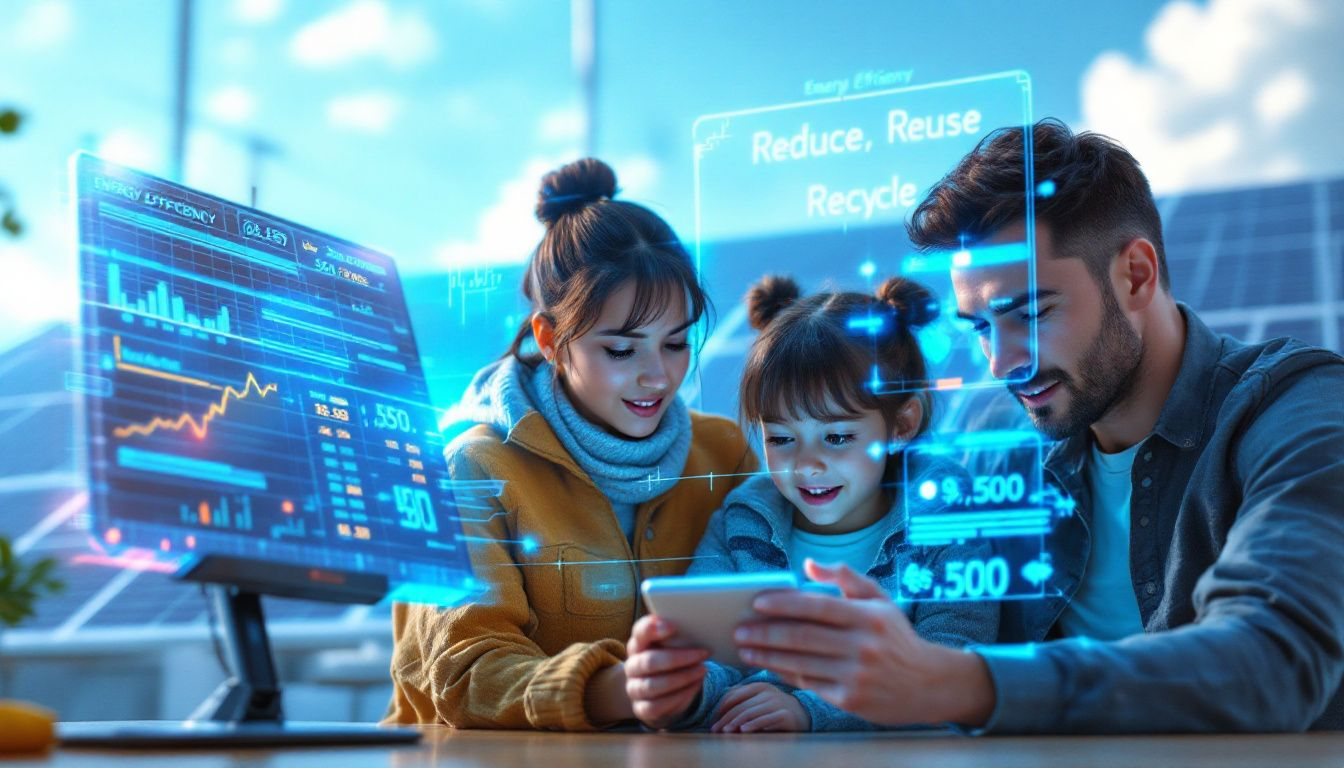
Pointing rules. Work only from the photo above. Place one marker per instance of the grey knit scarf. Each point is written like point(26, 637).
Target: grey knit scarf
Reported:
point(620, 467)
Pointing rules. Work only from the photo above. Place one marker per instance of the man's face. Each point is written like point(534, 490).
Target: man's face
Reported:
point(1087, 352)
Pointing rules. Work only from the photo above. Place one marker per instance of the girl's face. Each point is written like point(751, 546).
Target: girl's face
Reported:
point(624, 382)
point(829, 469)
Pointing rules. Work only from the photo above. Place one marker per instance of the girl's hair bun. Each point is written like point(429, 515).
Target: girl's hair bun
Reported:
point(914, 304)
point(574, 187)
point(768, 297)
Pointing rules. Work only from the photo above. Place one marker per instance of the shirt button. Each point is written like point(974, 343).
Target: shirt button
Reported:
point(648, 533)
point(1151, 588)
point(1147, 481)
point(1147, 455)
point(1143, 521)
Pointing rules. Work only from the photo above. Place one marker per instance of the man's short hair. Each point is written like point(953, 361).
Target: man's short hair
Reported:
point(1089, 190)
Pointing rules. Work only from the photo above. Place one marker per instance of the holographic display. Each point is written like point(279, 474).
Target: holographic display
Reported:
point(822, 190)
point(984, 487)
point(826, 187)
point(254, 390)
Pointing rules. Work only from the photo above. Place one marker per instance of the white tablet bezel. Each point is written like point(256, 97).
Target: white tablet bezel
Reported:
point(707, 609)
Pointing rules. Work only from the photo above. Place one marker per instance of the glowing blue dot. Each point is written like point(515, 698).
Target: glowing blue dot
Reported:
point(529, 544)
point(876, 450)
point(1045, 188)
point(928, 490)
point(867, 269)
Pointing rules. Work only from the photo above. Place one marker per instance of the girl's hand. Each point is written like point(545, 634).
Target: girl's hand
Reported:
point(760, 707)
point(662, 683)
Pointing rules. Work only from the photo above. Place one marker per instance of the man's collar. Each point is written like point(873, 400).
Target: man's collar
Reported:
point(1182, 419)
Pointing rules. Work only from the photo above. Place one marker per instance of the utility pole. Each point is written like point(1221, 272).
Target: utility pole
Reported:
point(181, 92)
point(583, 50)
point(258, 149)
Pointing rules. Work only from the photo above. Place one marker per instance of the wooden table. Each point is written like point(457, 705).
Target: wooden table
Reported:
point(526, 749)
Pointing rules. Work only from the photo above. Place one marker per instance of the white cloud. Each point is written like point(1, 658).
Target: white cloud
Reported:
point(369, 112)
point(637, 176)
point(1234, 92)
point(38, 289)
point(44, 24)
point(365, 29)
point(220, 165)
point(466, 109)
point(1283, 97)
point(565, 125)
point(257, 11)
point(130, 147)
point(508, 231)
point(231, 104)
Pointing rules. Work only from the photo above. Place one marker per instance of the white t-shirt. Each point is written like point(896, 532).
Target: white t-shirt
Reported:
point(857, 549)
point(1104, 607)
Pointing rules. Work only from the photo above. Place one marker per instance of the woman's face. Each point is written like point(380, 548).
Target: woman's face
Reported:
point(624, 381)
point(829, 469)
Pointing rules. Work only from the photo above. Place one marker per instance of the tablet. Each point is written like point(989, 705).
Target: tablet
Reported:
point(706, 609)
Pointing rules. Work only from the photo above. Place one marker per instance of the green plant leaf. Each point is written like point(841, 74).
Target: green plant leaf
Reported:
point(22, 585)
point(11, 223)
point(10, 120)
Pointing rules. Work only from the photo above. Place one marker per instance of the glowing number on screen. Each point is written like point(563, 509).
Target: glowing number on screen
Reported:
point(996, 489)
point(416, 508)
point(975, 579)
point(388, 417)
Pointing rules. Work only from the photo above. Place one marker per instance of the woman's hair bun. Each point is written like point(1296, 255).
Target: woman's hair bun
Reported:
point(914, 304)
point(574, 187)
point(768, 296)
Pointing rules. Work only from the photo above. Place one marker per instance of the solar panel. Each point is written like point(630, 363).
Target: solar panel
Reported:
point(22, 511)
point(1335, 195)
point(1305, 330)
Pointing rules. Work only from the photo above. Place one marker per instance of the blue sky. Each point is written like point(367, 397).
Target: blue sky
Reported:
point(423, 127)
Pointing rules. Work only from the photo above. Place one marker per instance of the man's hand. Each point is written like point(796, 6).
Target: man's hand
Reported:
point(662, 683)
point(861, 654)
point(760, 707)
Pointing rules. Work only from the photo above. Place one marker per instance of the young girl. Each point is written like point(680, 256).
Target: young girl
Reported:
point(575, 431)
point(832, 494)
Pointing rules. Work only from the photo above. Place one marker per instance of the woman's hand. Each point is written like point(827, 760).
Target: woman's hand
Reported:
point(760, 707)
point(662, 683)
point(861, 654)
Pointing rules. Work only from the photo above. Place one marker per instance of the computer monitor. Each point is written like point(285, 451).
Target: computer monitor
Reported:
point(257, 419)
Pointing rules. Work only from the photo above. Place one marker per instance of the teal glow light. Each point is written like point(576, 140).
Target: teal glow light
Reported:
point(431, 594)
point(928, 490)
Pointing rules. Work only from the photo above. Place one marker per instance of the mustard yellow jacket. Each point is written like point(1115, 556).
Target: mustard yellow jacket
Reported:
point(521, 656)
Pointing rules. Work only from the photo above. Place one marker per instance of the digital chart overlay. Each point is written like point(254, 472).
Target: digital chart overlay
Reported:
point(253, 389)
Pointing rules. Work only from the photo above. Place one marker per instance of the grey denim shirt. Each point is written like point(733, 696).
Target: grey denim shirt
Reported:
point(1236, 555)
point(750, 534)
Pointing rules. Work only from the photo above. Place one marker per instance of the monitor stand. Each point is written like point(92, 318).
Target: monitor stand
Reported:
point(244, 710)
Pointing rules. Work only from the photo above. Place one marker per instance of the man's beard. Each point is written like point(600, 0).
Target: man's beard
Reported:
point(1108, 371)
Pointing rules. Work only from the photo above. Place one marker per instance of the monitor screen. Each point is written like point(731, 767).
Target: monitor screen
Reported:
point(254, 391)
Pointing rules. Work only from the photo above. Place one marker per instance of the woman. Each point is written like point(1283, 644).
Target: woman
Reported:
point(590, 441)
